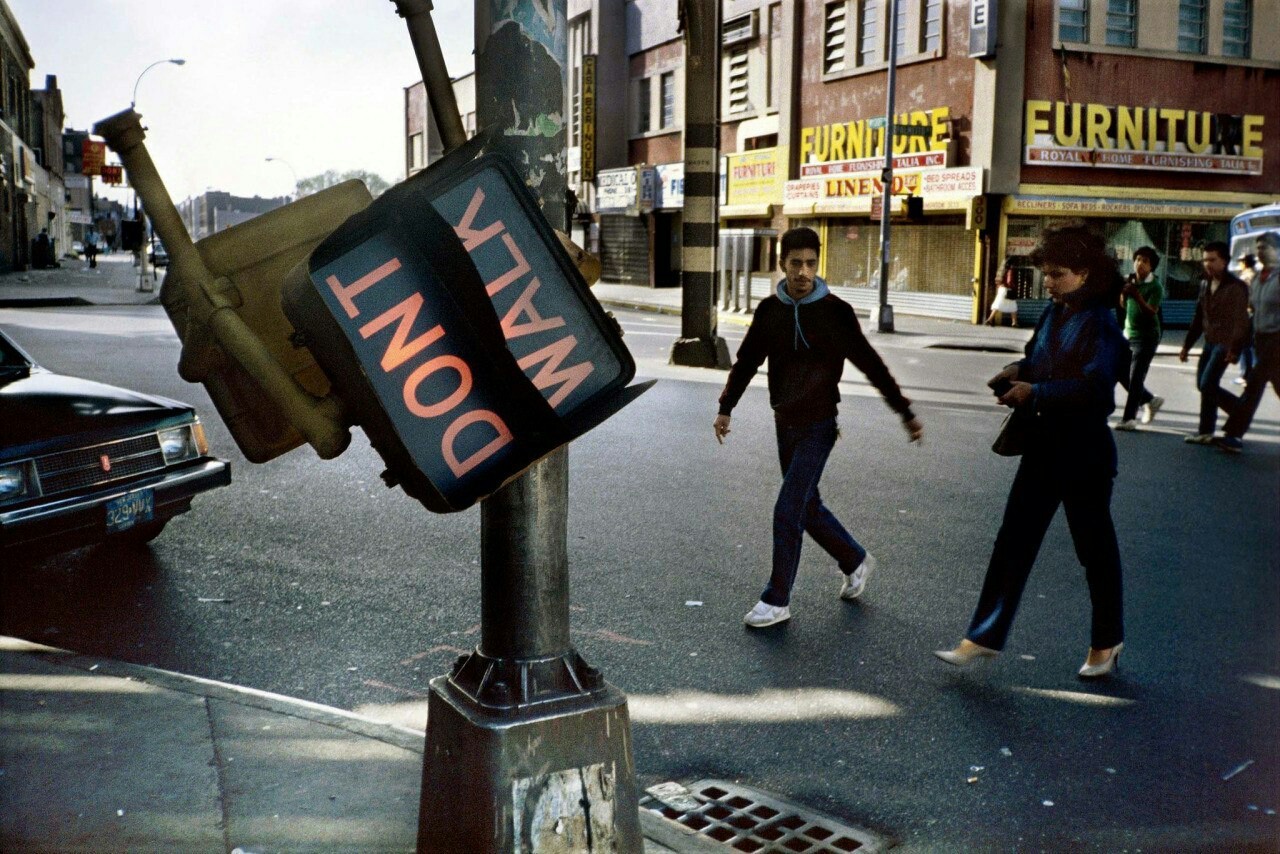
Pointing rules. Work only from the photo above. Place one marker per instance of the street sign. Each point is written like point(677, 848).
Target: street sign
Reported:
point(876, 122)
point(113, 174)
point(465, 342)
point(913, 130)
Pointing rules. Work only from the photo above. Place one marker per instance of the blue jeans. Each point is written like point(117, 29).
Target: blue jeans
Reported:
point(1209, 371)
point(1134, 383)
point(1033, 501)
point(803, 453)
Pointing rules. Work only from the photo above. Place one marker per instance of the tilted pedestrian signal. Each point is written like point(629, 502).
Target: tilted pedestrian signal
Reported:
point(457, 331)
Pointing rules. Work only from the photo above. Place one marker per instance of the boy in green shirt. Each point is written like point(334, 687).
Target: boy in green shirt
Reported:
point(1141, 302)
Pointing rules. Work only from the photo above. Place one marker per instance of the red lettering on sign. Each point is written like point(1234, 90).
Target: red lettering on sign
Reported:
point(461, 467)
point(401, 349)
point(524, 306)
point(471, 238)
point(550, 374)
point(426, 369)
point(347, 293)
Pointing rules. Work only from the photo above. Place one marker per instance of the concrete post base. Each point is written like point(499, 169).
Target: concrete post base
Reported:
point(710, 352)
point(558, 779)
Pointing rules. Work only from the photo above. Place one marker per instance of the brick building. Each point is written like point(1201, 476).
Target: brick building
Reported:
point(1157, 120)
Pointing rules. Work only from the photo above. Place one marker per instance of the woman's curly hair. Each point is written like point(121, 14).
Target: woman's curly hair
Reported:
point(1079, 248)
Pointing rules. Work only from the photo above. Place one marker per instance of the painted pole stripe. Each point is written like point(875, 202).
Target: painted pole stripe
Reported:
point(700, 135)
point(700, 184)
point(699, 234)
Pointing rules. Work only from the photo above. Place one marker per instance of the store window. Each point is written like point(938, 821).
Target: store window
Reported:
point(1180, 245)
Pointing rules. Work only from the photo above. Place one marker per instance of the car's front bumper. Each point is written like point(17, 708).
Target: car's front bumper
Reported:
point(79, 520)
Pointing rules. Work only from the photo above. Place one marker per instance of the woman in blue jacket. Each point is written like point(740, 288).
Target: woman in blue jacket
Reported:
point(1063, 391)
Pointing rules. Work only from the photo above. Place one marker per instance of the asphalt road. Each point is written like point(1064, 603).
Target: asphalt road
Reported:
point(310, 578)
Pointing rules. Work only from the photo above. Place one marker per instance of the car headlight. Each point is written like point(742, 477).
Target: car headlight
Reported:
point(177, 445)
point(16, 481)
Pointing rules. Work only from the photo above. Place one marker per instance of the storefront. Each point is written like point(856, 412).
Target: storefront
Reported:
point(666, 225)
point(752, 184)
point(623, 198)
point(1148, 155)
point(933, 238)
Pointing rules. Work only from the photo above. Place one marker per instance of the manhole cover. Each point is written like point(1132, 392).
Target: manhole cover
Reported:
point(746, 819)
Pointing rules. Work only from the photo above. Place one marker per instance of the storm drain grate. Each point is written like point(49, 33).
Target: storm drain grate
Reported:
point(745, 819)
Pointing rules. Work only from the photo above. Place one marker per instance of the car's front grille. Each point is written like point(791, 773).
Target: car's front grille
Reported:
point(85, 466)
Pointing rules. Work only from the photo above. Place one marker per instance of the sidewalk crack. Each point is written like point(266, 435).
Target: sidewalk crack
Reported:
point(220, 768)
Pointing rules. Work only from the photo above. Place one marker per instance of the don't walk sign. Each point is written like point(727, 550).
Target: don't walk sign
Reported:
point(451, 321)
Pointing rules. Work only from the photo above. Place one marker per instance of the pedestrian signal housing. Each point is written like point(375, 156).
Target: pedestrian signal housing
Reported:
point(457, 331)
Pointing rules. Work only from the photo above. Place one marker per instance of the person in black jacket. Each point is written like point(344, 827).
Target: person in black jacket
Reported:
point(1063, 389)
point(806, 333)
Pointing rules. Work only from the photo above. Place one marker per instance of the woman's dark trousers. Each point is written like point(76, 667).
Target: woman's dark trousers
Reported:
point(1037, 491)
point(802, 453)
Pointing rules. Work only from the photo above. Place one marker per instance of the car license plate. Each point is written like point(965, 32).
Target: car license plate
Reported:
point(128, 510)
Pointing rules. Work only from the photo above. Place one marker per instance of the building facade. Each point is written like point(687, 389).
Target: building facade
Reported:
point(1157, 121)
point(214, 211)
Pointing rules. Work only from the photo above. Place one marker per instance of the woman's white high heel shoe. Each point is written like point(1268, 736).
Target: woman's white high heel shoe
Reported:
point(1104, 667)
point(965, 654)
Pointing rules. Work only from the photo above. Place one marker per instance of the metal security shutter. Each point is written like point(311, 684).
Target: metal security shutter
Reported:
point(931, 270)
point(624, 250)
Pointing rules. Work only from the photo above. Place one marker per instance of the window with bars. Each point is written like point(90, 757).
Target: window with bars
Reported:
point(1073, 20)
point(1192, 16)
point(1122, 23)
point(900, 32)
point(667, 89)
point(644, 121)
point(1237, 28)
point(833, 39)
point(868, 32)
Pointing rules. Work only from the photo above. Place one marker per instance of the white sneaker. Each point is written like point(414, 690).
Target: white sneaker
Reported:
point(1199, 439)
point(1128, 426)
point(1151, 408)
point(856, 581)
point(764, 614)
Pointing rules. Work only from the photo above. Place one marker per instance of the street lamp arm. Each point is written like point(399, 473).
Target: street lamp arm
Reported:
point(134, 101)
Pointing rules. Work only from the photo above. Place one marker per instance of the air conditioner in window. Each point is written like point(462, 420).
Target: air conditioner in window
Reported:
point(740, 29)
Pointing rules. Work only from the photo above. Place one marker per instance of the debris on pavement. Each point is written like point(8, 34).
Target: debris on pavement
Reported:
point(675, 796)
point(693, 603)
point(1236, 770)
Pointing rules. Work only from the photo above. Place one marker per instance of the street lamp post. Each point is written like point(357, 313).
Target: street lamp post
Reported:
point(144, 283)
point(293, 171)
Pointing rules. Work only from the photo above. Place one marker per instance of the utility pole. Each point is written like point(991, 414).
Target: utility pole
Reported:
point(699, 345)
point(885, 323)
point(527, 747)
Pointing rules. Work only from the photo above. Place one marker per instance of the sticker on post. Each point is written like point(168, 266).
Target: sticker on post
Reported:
point(565, 811)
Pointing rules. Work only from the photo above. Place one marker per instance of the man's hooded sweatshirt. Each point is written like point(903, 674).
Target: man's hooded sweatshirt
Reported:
point(806, 343)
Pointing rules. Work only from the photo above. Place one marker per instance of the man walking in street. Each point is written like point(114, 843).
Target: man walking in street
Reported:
point(1141, 300)
point(1265, 299)
point(1222, 314)
point(806, 333)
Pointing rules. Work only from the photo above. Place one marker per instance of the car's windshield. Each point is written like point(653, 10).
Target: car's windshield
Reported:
point(11, 359)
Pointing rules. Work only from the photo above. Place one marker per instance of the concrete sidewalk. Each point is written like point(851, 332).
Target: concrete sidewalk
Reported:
point(113, 282)
point(98, 755)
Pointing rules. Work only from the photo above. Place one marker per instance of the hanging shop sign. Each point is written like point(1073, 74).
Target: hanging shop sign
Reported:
point(93, 154)
point(668, 186)
point(1149, 138)
point(982, 29)
point(587, 149)
point(755, 177)
point(858, 143)
point(625, 191)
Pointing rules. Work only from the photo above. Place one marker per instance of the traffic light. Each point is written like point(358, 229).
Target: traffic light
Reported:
point(915, 208)
point(458, 332)
point(223, 297)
